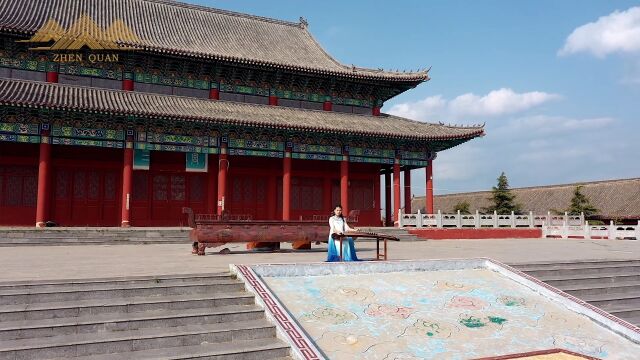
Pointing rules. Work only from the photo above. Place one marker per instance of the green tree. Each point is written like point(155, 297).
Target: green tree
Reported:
point(502, 198)
point(463, 207)
point(581, 204)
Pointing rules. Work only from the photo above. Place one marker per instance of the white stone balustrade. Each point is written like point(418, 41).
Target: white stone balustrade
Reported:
point(560, 226)
point(477, 220)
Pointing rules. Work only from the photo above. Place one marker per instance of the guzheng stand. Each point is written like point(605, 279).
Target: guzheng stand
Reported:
point(363, 235)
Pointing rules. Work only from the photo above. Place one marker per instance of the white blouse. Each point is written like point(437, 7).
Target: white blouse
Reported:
point(338, 225)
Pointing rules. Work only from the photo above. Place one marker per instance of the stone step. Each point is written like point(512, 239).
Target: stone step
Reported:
point(604, 270)
point(107, 342)
point(623, 288)
point(580, 264)
point(110, 282)
point(257, 349)
point(49, 310)
point(605, 301)
point(69, 293)
point(630, 314)
point(63, 232)
point(117, 322)
point(589, 280)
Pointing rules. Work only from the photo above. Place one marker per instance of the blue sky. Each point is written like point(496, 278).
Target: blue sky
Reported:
point(556, 82)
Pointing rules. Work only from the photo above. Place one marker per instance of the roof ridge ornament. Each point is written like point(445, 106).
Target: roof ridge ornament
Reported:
point(303, 23)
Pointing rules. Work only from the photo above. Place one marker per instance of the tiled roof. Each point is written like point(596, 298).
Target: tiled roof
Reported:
point(169, 27)
point(613, 198)
point(78, 98)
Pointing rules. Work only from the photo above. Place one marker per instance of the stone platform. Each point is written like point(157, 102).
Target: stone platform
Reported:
point(430, 309)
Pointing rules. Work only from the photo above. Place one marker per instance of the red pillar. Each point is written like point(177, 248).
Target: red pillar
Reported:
point(127, 175)
point(286, 186)
point(212, 183)
point(344, 184)
point(127, 82)
point(327, 106)
point(52, 76)
point(407, 191)
point(44, 169)
point(396, 190)
point(273, 98)
point(387, 200)
point(214, 93)
point(429, 196)
point(223, 165)
point(375, 111)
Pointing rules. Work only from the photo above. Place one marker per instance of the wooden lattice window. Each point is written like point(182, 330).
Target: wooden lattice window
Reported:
point(178, 187)
point(110, 186)
point(140, 186)
point(160, 188)
point(196, 191)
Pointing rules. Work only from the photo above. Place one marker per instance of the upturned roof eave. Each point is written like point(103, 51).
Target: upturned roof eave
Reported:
point(214, 119)
point(413, 79)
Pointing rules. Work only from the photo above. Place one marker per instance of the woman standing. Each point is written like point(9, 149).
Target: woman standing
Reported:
point(338, 225)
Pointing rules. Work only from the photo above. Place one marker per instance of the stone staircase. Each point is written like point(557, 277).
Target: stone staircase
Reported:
point(203, 316)
point(613, 286)
point(92, 236)
point(400, 233)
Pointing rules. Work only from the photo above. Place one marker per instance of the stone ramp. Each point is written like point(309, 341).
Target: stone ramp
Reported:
point(171, 317)
point(92, 236)
point(611, 285)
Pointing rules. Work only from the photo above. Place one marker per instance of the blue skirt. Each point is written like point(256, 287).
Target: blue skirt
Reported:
point(348, 250)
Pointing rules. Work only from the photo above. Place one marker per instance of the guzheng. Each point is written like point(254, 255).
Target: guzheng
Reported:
point(364, 234)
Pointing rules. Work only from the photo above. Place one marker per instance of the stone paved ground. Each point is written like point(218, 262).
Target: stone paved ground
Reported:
point(74, 262)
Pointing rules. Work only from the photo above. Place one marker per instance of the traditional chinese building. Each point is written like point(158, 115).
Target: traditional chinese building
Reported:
point(121, 112)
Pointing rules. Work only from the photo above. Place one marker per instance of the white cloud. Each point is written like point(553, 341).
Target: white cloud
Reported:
point(543, 125)
point(496, 103)
point(618, 32)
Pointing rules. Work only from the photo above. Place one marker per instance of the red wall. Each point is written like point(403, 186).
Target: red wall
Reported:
point(86, 183)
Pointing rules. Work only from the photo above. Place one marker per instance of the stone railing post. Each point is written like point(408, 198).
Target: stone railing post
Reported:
point(581, 217)
point(566, 217)
point(531, 219)
point(587, 230)
point(565, 228)
point(400, 217)
point(513, 219)
point(495, 219)
point(458, 220)
point(638, 231)
point(476, 221)
point(544, 230)
point(419, 223)
point(439, 219)
point(612, 231)
point(549, 217)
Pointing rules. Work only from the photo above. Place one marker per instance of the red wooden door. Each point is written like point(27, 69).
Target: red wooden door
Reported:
point(248, 196)
point(85, 197)
point(171, 191)
point(18, 194)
